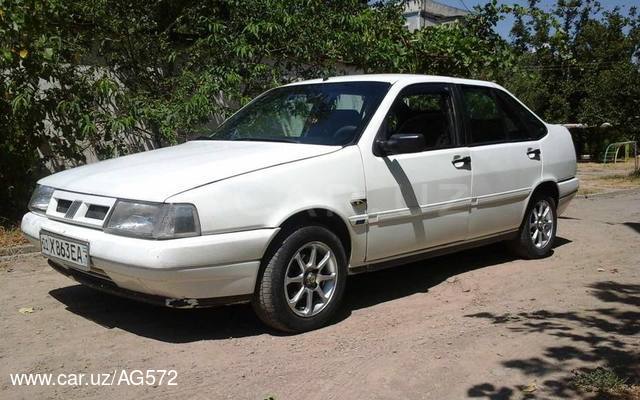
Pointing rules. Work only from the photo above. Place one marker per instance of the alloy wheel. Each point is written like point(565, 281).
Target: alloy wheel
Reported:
point(310, 279)
point(541, 224)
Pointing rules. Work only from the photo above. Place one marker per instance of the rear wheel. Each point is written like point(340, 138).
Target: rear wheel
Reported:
point(303, 281)
point(538, 230)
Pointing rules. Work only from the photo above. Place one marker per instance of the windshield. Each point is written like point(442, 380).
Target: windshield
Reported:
point(323, 113)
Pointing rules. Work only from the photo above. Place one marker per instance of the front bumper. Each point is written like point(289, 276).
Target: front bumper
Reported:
point(184, 272)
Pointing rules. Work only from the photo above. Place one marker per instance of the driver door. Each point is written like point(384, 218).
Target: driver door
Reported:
point(421, 199)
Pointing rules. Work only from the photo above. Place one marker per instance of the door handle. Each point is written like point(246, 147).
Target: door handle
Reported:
point(461, 162)
point(533, 154)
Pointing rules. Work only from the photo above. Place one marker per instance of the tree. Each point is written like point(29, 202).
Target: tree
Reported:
point(579, 63)
point(45, 99)
point(104, 77)
point(474, 49)
point(100, 78)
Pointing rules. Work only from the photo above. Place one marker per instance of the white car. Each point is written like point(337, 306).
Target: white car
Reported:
point(307, 184)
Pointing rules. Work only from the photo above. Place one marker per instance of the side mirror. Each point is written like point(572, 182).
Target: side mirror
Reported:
point(401, 143)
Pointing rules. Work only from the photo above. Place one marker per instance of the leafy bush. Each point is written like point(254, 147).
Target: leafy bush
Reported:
point(100, 78)
point(83, 80)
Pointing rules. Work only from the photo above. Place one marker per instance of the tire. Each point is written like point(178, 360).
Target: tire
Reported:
point(528, 246)
point(306, 276)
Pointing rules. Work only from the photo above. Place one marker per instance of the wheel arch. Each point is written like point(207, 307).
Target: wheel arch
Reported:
point(315, 215)
point(328, 218)
point(548, 187)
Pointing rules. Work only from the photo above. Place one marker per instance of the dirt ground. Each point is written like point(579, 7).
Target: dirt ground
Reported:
point(478, 324)
point(600, 178)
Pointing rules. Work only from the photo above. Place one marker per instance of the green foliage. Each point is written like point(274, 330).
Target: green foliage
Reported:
point(37, 119)
point(599, 380)
point(469, 49)
point(579, 63)
point(101, 78)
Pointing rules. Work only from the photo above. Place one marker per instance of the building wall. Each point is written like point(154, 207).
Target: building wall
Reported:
point(421, 13)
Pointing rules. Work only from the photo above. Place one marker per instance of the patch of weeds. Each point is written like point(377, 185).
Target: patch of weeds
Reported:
point(599, 380)
point(616, 177)
point(588, 191)
point(11, 237)
point(629, 177)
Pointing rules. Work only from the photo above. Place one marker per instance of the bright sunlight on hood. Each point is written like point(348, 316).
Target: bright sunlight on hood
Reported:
point(158, 174)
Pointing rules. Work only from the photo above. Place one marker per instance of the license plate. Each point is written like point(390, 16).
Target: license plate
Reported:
point(70, 250)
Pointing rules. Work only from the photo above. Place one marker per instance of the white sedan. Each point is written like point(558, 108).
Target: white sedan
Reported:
point(307, 184)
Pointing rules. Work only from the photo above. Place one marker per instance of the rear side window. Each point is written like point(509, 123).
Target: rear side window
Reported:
point(531, 127)
point(494, 117)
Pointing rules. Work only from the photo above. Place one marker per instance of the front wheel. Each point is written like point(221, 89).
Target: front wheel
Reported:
point(538, 230)
point(303, 281)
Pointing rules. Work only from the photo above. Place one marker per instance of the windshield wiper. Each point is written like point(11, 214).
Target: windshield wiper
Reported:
point(267, 139)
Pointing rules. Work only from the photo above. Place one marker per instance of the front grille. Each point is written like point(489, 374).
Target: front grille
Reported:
point(96, 212)
point(81, 209)
point(63, 206)
point(73, 209)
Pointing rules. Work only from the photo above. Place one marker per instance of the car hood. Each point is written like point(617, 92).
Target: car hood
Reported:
point(158, 174)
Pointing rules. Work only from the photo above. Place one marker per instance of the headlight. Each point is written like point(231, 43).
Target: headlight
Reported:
point(153, 220)
point(40, 198)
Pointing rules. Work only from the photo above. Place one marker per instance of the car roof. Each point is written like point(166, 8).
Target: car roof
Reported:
point(395, 78)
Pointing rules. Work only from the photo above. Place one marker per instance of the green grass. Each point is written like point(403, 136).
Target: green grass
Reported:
point(599, 380)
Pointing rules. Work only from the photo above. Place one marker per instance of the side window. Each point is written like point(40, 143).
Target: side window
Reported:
point(532, 127)
point(484, 117)
point(426, 112)
point(494, 117)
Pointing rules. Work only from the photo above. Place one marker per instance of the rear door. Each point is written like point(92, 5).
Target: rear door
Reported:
point(505, 158)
